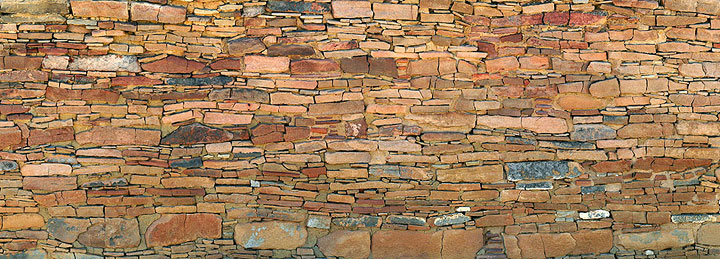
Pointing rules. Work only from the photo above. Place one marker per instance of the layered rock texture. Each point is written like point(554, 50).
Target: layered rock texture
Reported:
point(359, 129)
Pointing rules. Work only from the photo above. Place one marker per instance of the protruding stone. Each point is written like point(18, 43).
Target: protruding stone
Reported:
point(112, 233)
point(196, 133)
point(351, 9)
point(180, 228)
point(67, 229)
point(669, 236)
point(587, 132)
point(461, 243)
point(270, 235)
point(242, 46)
point(542, 170)
point(22, 221)
point(103, 9)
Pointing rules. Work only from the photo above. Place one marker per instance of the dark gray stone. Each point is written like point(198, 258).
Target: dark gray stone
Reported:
point(218, 80)
point(362, 222)
point(542, 170)
point(588, 132)
point(117, 182)
point(194, 162)
point(406, 220)
point(7, 165)
point(301, 7)
point(250, 95)
point(592, 189)
point(571, 144)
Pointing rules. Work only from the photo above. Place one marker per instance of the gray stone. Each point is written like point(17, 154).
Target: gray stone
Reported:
point(315, 221)
point(67, 229)
point(534, 186)
point(406, 220)
point(302, 7)
point(7, 165)
point(693, 218)
point(218, 80)
point(364, 221)
point(588, 132)
point(595, 214)
point(252, 11)
point(252, 95)
point(451, 219)
point(105, 63)
point(592, 189)
point(115, 182)
point(543, 170)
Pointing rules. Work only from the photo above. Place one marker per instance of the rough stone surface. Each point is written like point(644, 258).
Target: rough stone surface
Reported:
point(347, 244)
point(406, 244)
point(270, 235)
point(359, 129)
point(179, 228)
point(112, 233)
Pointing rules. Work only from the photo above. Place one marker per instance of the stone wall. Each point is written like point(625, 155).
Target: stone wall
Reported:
point(403, 129)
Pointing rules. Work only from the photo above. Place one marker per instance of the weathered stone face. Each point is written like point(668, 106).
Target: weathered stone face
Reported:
point(67, 229)
point(670, 236)
point(270, 235)
point(112, 233)
point(542, 170)
point(406, 244)
point(348, 244)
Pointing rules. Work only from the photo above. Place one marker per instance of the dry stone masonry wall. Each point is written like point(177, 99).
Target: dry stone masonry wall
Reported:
point(359, 129)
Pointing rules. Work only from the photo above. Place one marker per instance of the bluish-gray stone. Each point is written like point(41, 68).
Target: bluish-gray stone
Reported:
point(542, 170)
point(406, 220)
point(301, 7)
point(7, 165)
point(592, 189)
point(218, 80)
point(364, 221)
point(67, 229)
point(569, 144)
point(116, 182)
point(194, 162)
point(534, 186)
point(693, 218)
point(587, 132)
point(451, 219)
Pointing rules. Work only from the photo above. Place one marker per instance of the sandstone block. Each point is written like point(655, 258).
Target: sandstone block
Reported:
point(270, 235)
point(347, 244)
